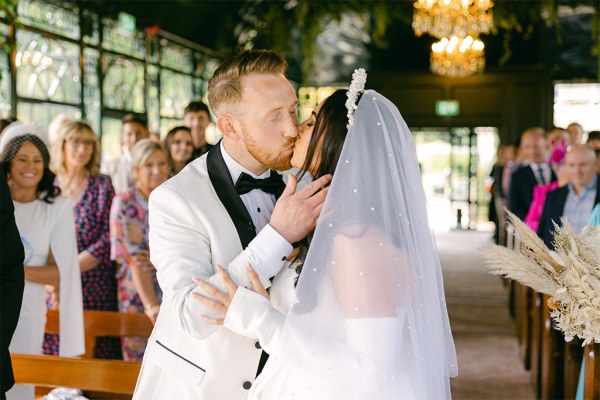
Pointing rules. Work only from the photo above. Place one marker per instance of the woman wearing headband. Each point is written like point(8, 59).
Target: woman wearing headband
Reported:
point(47, 230)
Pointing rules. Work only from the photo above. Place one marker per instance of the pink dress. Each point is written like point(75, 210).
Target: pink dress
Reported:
point(532, 219)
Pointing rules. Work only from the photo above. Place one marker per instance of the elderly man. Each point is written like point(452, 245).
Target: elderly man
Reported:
point(534, 171)
point(577, 199)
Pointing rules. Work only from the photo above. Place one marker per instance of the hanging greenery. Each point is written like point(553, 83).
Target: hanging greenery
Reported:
point(277, 24)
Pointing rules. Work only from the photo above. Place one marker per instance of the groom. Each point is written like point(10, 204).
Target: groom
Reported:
point(220, 210)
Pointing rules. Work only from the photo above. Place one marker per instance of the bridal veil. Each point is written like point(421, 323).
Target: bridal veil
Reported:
point(371, 314)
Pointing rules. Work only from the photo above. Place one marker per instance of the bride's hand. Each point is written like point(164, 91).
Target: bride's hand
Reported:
point(221, 301)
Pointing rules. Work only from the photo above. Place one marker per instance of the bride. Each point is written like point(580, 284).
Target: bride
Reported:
point(368, 318)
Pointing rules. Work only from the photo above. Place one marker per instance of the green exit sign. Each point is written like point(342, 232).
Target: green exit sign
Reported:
point(447, 108)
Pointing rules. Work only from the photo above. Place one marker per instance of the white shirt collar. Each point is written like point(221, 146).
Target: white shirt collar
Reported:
point(236, 169)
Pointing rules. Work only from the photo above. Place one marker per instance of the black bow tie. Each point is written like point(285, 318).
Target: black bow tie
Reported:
point(273, 184)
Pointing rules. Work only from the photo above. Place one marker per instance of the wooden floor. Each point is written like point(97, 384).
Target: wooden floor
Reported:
point(484, 334)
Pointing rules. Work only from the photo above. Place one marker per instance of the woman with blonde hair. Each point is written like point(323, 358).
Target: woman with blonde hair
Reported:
point(76, 163)
point(138, 290)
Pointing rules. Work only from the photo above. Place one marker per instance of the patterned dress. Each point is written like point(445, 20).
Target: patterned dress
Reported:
point(99, 285)
point(129, 235)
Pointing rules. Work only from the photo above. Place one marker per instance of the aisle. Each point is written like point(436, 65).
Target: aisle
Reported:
point(484, 334)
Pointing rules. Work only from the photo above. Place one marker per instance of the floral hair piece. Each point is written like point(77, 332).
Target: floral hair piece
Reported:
point(357, 86)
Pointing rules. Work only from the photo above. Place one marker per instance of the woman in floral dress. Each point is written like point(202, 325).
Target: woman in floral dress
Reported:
point(75, 160)
point(138, 289)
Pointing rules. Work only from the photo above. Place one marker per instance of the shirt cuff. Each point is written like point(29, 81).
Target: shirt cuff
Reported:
point(267, 252)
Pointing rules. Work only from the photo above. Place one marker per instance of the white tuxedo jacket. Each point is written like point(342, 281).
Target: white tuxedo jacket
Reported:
point(197, 221)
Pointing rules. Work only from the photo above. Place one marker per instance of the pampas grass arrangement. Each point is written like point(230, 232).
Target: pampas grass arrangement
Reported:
point(570, 274)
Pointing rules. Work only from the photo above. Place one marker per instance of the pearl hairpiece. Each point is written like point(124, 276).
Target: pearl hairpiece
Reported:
point(359, 78)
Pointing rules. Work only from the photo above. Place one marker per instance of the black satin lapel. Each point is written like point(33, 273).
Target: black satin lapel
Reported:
point(221, 181)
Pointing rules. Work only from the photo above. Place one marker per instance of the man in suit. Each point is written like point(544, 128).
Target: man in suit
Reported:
point(535, 170)
point(197, 118)
point(12, 282)
point(577, 199)
point(220, 210)
point(133, 130)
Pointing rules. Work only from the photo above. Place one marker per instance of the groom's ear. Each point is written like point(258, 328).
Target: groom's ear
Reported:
point(228, 126)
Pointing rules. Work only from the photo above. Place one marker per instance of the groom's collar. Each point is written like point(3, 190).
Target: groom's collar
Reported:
point(221, 179)
point(236, 169)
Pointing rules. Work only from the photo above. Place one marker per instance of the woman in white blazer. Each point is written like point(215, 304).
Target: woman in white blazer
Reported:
point(47, 230)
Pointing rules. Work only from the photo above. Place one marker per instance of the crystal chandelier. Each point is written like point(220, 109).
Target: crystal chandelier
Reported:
point(447, 18)
point(457, 57)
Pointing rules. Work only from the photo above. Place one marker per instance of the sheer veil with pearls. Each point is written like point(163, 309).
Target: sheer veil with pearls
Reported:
point(371, 314)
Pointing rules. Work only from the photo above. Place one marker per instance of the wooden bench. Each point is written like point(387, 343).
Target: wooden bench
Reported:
point(591, 375)
point(105, 376)
point(104, 323)
point(99, 378)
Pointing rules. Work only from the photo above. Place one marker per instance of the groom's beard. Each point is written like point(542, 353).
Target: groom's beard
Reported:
point(279, 161)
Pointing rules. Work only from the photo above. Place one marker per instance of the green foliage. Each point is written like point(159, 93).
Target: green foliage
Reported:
point(291, 26)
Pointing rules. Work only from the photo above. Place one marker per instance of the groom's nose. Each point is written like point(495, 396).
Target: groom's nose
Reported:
point(291, 129)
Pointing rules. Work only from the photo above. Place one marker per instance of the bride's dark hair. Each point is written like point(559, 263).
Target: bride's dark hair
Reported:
point(329, 133)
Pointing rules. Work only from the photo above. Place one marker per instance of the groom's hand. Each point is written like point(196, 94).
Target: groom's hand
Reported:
point(295, 214)
point(220, 301)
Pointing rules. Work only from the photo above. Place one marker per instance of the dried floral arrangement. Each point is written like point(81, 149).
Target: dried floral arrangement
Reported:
point(570, 274)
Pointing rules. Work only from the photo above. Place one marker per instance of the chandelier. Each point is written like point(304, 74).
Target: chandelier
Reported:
point(457, 57)
point(446, 18)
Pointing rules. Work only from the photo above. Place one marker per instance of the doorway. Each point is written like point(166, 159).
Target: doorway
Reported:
point(455, 165)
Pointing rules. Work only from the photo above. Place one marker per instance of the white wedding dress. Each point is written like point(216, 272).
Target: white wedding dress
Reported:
point(368, 318)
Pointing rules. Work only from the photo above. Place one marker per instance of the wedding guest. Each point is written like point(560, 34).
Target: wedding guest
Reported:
point(197, 118)
point(535, 170)
point(47, 230)
point(540, 191)
point(575, 133)
point(133, 130)
point(179, 146)
point(593, 140)
point(11, 281)
point(75, 160)
point(577, 199)
point(138, 289)
point(504, 154)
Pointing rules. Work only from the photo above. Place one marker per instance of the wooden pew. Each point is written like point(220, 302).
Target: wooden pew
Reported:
point(536, 341)
point(104, 323)
point(591, 377)
point(572, 367)
point(552, 357)
point(106, 376)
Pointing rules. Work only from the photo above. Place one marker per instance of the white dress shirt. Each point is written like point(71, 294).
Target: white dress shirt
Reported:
point(545, 171)
point(268, 242)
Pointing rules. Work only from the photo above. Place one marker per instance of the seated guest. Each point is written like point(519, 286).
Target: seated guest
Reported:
point(557, 158)
point(75, 161)
point(575, 133)
point(47, 229)
point(535, 170)
point(593, 140)
point(133, 130)
point(197, 118)
point(179, 147)
point(577, 199)
point(138, 288)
